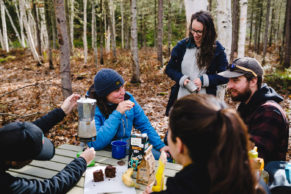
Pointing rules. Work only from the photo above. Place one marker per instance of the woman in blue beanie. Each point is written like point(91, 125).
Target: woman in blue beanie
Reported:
point(117, 112)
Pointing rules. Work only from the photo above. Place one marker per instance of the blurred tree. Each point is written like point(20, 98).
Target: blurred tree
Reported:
point(266, 30)
point(235, 27)
point(242, 28)
point(134, 48)
point(160, 32)
point(224, 26)
point(287, 56)
point(65, 69)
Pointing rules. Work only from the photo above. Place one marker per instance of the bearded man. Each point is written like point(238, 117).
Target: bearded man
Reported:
point(259, 108)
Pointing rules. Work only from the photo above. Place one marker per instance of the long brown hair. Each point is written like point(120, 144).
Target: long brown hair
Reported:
point(209, 35)
point(215, 136)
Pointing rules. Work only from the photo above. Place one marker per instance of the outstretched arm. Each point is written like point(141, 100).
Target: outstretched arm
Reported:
point(49, 120)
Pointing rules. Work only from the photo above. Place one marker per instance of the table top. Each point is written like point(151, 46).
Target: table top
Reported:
point(64, 155)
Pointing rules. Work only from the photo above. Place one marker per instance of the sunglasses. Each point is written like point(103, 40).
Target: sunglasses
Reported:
point(233, 67)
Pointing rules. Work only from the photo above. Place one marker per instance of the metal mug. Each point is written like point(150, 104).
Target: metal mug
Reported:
point(191, 87)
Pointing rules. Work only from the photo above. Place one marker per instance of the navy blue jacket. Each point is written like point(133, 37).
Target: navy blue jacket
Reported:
point(173, 70)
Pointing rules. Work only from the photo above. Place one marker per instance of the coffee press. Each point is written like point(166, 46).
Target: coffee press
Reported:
point(86, 125)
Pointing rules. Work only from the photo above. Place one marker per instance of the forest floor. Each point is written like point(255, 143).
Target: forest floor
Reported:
point(28, 91)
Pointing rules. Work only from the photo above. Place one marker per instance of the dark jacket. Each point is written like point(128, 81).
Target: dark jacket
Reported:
point(60, 183)
point(173, 69)
point(267, 123)
point(193, 179)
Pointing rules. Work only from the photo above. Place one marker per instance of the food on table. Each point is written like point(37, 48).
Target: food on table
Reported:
point(110, 171)
point(120, 162)
point(98, 175)
point(127, 180)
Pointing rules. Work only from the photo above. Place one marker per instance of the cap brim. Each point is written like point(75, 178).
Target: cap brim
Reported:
point(47, 151)
point(230, 74)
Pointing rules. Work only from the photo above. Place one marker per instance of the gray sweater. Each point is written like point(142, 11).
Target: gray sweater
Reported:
point(191, 71)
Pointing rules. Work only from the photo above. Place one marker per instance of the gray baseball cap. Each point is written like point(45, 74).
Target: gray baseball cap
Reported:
point(243, 66)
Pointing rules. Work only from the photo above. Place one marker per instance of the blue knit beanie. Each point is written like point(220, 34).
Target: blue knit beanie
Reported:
point(106, 81)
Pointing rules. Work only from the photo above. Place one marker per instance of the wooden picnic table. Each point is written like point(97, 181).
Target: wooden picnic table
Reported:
point(65, 154)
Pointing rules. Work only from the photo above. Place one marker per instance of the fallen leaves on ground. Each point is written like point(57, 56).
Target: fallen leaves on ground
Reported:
point(29, 91)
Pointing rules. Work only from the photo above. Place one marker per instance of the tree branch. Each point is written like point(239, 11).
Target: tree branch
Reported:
point(19, 116)
point(35, 84)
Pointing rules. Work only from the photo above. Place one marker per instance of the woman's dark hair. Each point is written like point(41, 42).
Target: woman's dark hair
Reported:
point(209, 35)
point(101, 102)
point(216, 137)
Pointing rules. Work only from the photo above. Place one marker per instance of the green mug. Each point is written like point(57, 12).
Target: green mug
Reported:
point(92, 163)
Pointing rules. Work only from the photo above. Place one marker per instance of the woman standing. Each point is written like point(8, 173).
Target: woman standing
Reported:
point(117, 112)
point(211, 143)
point(197, 59)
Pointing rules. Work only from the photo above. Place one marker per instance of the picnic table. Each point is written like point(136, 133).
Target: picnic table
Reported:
point(65, 154)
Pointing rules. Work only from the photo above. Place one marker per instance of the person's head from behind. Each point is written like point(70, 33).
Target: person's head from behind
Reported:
point(203, 131)
point(23, 142)
point(245, 78)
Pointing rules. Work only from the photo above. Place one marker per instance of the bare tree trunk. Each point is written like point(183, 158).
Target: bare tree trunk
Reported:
point(224, 26)
point(251, 23)
point(48, 7)
point(122, 24)
point(85, 31)
point(235, 28)
point(107, 33)
point(53, 21)
point(169, 27)
point(155, 27)
point(28, 31)
point(36, 18)
point(259, 28)
point(272, 31)
point(67, 10)
point(101, 32)
point(1, 40)
point(43, 27)
point(94, 34)
point(160, 32)
point(64, 48)
point(134, 48)
point(242, 28)
point(14, 28)
point(72, 23)
point(110, 25)
point(17, 9)
point(192, 6)
point(287, 57)
point(266, 31)
point(4, 27)
point(112, 13)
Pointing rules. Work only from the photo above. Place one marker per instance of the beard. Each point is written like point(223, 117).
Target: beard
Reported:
point(242, 96)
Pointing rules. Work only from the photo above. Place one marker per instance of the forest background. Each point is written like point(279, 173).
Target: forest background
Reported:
point(51, 48)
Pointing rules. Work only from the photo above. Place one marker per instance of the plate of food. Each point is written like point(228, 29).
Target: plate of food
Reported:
point(106, 179)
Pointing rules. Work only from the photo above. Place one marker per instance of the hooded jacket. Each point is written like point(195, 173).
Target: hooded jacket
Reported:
point(173, 69)
point(119, 126)
point(267, 123)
